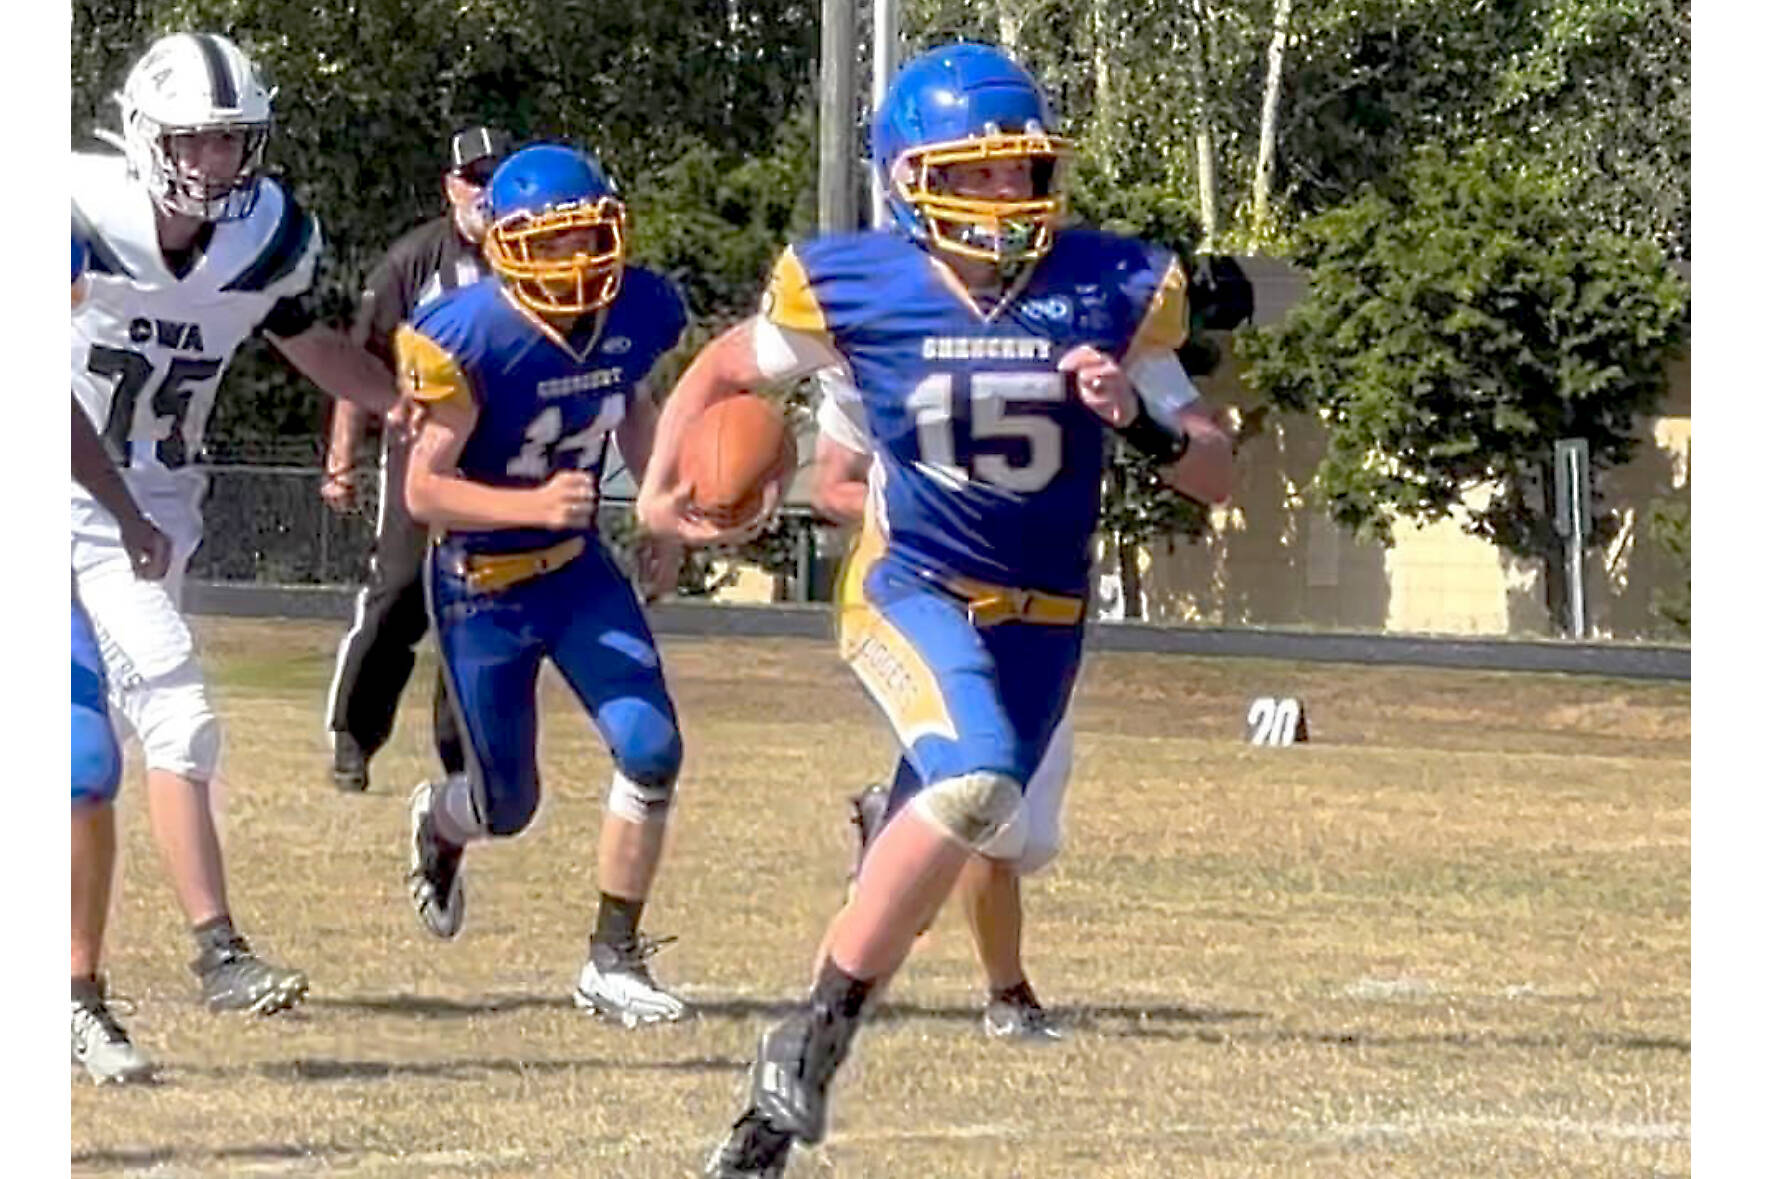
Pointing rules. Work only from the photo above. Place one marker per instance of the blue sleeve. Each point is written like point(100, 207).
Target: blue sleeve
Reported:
point(79, 258)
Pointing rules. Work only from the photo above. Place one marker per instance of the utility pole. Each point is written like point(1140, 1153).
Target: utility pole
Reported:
point(884, 55)
point(835, 140)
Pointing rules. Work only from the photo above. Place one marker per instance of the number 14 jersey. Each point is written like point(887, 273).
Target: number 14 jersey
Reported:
point(990, 466)
point(545, 401)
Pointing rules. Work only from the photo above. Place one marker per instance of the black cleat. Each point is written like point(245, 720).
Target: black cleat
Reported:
point(752, 1148)
point(789, 1088)
point(349, 769)
point(235, 979)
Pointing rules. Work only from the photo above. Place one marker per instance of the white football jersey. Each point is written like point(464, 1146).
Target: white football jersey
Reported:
point(149, 349)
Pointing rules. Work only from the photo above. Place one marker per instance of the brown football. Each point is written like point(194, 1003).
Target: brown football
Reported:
point(730, 454)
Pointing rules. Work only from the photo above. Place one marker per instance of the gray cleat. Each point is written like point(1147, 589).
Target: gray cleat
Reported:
point(235, 979)
point(102, 1047)
point(435, 876)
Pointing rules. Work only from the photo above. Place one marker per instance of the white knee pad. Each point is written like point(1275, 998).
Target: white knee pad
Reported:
point(638, 803)
point(179, 731)
point(979, 810)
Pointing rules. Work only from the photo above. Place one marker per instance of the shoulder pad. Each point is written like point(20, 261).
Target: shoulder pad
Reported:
point(290, 246)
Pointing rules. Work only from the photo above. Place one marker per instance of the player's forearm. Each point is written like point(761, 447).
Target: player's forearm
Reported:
point(723, 368)
point(448, 501)
point(637, 435)
point(844, 503)
point(343, 369)
point(838, 483)
point(93, 470)
point(347, 427)
point(1205, 472)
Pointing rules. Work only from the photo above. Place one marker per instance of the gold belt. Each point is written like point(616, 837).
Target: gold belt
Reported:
point(994, 604)
point(486, 573)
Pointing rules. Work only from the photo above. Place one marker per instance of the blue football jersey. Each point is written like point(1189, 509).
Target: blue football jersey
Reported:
point(991, 466)
point(546, 402)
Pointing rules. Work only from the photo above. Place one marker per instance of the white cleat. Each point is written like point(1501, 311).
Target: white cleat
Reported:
point(103, 1048)
point(1019, 1018)
point(435, 874)
point(616, 984)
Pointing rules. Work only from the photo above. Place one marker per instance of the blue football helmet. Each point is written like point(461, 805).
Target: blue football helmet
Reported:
point(963, 104)
point(557, 234)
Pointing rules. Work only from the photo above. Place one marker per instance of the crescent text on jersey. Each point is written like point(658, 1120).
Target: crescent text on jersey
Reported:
point(595, 378)
point(985, 348)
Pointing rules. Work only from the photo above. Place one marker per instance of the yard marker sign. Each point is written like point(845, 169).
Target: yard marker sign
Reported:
point(1276, 720)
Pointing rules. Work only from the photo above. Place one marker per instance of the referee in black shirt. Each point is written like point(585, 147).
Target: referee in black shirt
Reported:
point(377, 653)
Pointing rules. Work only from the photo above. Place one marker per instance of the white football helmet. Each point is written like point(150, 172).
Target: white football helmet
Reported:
point(184, 84)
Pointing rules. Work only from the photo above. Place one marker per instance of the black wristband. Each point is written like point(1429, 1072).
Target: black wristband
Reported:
point(1153, 439)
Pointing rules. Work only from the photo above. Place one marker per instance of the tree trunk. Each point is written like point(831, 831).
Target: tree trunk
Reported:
point(1129, 572)
point(1202, 115)
point(1011, 22)
point(1104, 121)
point(1267, 132)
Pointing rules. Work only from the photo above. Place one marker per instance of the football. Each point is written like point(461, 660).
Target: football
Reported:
point(731, 453)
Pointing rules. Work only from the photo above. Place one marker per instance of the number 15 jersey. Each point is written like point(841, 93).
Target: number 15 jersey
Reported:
point(990, 464)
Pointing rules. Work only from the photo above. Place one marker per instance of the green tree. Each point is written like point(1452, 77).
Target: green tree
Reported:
point(1458, 325)
point(1669, 527)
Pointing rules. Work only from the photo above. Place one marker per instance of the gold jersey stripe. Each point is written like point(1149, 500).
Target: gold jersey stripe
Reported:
point(890, 668)
point(789, 301)
point(1167, 322)
point(426, 371)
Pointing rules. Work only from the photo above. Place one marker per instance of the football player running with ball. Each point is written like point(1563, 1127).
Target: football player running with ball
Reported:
point(992, 348)
point(190, 250)
point(522, 378)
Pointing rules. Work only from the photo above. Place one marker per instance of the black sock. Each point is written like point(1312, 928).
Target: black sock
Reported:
point(836, 1002)
point(86, 990)
point(1019, 994)
point(837, 995)
point(214, 933)
point(616, 921)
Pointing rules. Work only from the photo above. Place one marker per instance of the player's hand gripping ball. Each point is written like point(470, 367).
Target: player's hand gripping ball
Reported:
point(738, 457)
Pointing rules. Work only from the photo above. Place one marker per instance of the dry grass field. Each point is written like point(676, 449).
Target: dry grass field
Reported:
point(1449, 937)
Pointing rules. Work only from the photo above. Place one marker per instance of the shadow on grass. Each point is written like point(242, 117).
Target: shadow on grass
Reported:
point(1088, 1017)
point(325, 1069)
point(1159, 1021)
point(436, 1007)
point(1471, 1040)
point(161, 1156)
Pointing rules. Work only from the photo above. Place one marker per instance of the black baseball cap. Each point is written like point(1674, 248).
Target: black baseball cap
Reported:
point(469, 147)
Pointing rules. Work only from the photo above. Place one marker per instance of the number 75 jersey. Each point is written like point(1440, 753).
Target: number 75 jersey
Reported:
point(990, 465)
point(149, 347)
